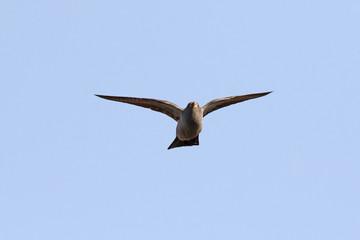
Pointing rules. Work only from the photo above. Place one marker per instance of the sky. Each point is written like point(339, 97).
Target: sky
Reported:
point(284, 166)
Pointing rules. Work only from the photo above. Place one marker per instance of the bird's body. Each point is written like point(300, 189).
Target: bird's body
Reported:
point(190, 119)
point(190, 124)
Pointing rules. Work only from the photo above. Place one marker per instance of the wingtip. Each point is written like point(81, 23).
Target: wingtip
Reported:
point(98, 95)
point(266, 93)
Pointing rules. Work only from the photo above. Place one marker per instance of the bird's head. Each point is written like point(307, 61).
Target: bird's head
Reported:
point(193, 105)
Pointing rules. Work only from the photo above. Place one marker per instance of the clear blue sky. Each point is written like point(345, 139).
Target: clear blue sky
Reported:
point(285, 166)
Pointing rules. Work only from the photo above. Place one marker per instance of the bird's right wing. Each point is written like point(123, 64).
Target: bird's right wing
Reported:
point(223, 102)
point(168, 108)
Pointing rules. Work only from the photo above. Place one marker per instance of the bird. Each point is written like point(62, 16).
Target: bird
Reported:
point(190, 119)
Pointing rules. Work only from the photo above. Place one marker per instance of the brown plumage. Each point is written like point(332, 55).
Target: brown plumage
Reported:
point(189, 119)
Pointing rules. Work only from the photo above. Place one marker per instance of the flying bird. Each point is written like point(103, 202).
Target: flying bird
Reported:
point(189, 120)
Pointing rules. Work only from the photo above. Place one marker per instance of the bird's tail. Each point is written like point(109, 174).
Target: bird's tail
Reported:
point(178, 143)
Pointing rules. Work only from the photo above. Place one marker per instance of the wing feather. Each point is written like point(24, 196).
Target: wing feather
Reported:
point(224, 102)
point(168, 108)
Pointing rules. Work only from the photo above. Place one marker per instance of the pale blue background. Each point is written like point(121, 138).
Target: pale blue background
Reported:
point(285, 166)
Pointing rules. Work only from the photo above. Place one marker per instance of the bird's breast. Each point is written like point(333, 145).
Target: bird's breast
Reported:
point(189, 125)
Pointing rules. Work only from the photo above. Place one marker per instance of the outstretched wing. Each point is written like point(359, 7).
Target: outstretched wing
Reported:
point(223, 102)
point(168, 108)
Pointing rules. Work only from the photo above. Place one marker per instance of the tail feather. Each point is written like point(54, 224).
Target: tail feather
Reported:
point(178, 143)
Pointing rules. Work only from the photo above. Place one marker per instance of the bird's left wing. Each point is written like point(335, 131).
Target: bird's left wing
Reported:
point(223, 102)
point(168, 108)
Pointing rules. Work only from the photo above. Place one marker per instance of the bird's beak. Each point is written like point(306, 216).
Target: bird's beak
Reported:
point(196, 104)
